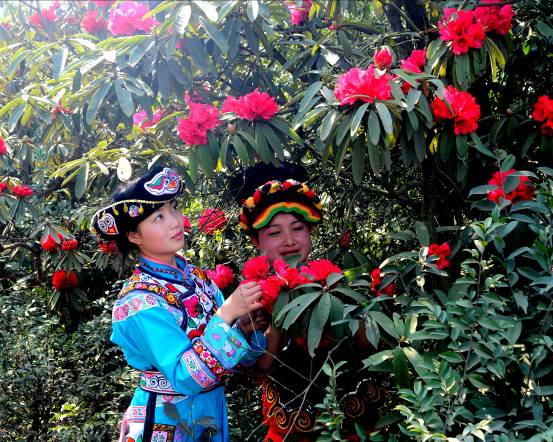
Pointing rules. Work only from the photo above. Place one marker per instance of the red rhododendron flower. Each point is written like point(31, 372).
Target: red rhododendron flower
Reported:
point(103, 3)
point(211, 220)
point(256, 268)
point(443, 251)
point(383, 59)
point(61, 280)
point(186, 223)
point(524, 191)
point(364, 85)
point(59, 109)
point(253, 106)
point(46, 15)
point(69, 244)
point(345, 240)
point(299, 10)
point(222, 276)
point(201, 119)
point(109, 247)
point(466, 112)
point(292, 276)
point(93, 22)
point(141, 120)
point(415, 62)
point(462, 29)
point(320, 269)
point(376, 276)
point(3, 148)
point(21, 191)
point(3, 187)
point(271, 288)
point(543, 111)
point(50, 245)
point(495, 18)
point(127, 19)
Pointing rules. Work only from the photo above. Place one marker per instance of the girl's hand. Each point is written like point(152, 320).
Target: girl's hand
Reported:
point(245, 299)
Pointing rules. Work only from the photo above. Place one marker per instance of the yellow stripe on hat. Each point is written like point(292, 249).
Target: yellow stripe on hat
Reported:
point(307, 212)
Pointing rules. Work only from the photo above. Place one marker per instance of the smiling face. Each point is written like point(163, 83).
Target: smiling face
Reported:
point(161, 234)
point(284, 235)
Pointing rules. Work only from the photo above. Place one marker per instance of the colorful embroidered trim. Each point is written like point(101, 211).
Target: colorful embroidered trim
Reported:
point(135, 414)
point(154, 288)
point(208, 359)
point(198, 374)
point(287, 207)
point(155, 382)
point(163, 433)
point(125, 308)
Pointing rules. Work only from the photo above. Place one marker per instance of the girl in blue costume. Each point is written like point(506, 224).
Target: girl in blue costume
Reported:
point(171, 321)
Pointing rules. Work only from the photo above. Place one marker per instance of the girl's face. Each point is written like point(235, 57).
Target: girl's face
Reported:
point(161, 234)
point(285, 235)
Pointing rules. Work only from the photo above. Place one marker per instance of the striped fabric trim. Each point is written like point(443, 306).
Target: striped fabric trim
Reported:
point(287, 207)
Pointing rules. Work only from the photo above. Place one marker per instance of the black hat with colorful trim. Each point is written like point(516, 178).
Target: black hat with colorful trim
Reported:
point(135, 203)
point(264, 190)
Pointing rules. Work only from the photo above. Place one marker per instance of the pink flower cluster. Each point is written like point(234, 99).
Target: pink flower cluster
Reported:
point(253, 106)
point(524, 191)
point(128, 19)
point(258, 269)
point(21, 191)
point(383, 59)
point(467, 29)
point(201, 119)
point(466, 112)
point(222, 276)
point(443, 251)
point(212, 220)
point(543, 112)
point(3, 148)
point(363, 85)
point(141, 120)
point(46, 15)
point(299, 10)
point(94, 23)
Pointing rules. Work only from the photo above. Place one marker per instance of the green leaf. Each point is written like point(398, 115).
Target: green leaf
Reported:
point(401, 368)
point(386, 323)
point(373, 129)
point(124, 169)
point(124, 97)
point(462, 71)
point(378, 358)
point(262, 150)
point(422, 233)
point(205, 158)
point(183, 17)
point(139, 50)
point(358, 162)
point(328, 123)
point(163, 80)
point(208, 9)
point(197, 51)
point(59, 62)
point(308, 95)
point(385, 117)
point(343, 129)
point(215, 34)
point(82, 181)
point(96, 101)
point(318, 319)
point(357, 117)
point(241, 149)
point(274, 141)
point(15, 116)
point(374, 154)
point(253, 10)
point(295, 308)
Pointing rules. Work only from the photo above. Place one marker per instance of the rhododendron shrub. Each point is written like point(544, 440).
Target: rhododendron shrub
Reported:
point(142, 120)
point(299, 10)
point(462, 29)
point(253, 106)
point(64, 281)
point(222, 276)
point(376, 284)
point(543, 113)
point(201, 119)
point(383, 59)
point(495, 18)
point(363, 85)
point(211, 220)
point(3, 147)
point(93, 22)
point(464, 113)
point(522, 192)
point(443, 251)
point(127, 18)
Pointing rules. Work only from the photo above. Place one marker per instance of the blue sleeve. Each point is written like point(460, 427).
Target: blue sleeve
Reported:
point(147, 330)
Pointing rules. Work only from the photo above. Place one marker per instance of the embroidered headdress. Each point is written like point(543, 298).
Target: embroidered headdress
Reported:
point(139, 200)
point(265, 190)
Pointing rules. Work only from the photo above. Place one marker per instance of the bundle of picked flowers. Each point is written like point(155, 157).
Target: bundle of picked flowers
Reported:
point(278, 277)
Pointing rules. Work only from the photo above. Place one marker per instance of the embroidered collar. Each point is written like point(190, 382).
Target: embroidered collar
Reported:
point(164, 271)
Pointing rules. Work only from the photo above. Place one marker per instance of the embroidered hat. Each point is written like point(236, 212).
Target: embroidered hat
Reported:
point(264, 190)
point(136, 202)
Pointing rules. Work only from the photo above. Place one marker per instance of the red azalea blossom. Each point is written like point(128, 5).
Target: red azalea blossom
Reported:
point(495, 18)
point(364, 85)
point(466, 112)
point(253, 106)
point(61, 280)
point(141, 120)
point(3, 148)
point(320, 269)
point(211, 220)
point(103, 3)
point(291, 276)
point(21, 191)
point(376, 276)
point(201, 119)
point(222, 276)
point(462, 29)
point(443, 251)
point(186, 223)
point(127, 19)
point(271, 288)
point(108, 247)
point(50, 245)
point(3, 187)
point(299, 10)
point(543, 112)
point(415, 62)
point(46, 15)
point(383, 59)
point(256, 268)
point(69, 244)
point(524, 191)
point(93, 22)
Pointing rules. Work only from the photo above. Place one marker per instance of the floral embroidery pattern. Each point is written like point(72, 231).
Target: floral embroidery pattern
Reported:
point(208, 359)
point(198, 374)
point(128, 307)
